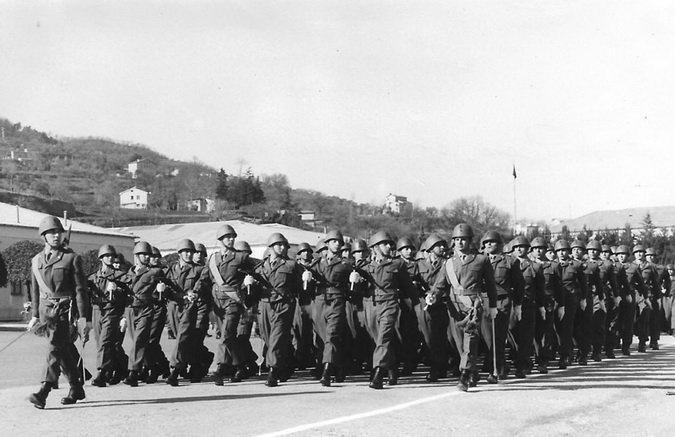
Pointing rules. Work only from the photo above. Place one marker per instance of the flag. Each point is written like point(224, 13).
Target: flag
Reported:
point(514, 171)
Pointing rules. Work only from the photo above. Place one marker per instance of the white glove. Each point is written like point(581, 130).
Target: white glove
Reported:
point(430, 299)
point(191, 296)
point(629, 298)
point(123, 324)
point(492, 312)
point(542, 311)
point(582, 304)
point(248, 280)
point(354, 277)
point(603, 308)
point(33, 321)
point(161, 287)
point(306, 276)
point(111, 287)
point(561, 312)
point(518, 312)
point(617, 301)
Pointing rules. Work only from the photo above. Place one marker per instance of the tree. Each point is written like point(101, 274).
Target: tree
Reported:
point(3, 272)
point(648, 231)
point(277, 192)
point(478, 213)
point(221, 185)
point(18, 256)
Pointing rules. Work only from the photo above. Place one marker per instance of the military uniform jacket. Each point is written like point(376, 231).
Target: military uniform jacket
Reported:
point(664, 279)
point(429, 272)
point(388, 279)
point(608, 277)
point(532, 275)
point(332, 276)
point(283, 277)
point(306, 296)
point(633, 279)
point(553, 293)
point(508, 277)
point(594, 284)
point(185, 277)
point(144, 280)
point(650, 277)
point(64, 277)
point(98, 288)
point(572, 278)
point(475, 276)
point(233, 267)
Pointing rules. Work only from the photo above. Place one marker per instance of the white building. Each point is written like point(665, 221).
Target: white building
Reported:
point(201, 204)
point(134, 198)
point(134, 166)
point(394, 204)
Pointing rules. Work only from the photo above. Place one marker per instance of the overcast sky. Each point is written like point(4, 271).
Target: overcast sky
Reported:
point(430, 100)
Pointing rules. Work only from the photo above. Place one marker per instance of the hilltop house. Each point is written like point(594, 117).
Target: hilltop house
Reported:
point(394, 204)
point(134, 198)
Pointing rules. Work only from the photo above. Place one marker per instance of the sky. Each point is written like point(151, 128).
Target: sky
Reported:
point(433, 100)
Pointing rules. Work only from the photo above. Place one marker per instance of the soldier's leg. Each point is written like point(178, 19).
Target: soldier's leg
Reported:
point(583, 331)
point(642, 324)
point(439, 348)
point(567, 327)
point(655, 324)
point(611, 327)
point(409, 336)
point(627, 319)
point(526, 328)
point(141, 319)
point(384, 355)
point(279, 340)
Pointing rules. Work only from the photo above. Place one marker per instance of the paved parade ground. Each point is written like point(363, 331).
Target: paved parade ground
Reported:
point(626, 396)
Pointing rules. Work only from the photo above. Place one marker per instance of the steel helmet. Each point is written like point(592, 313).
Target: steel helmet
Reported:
point(622, 249)
point(638, 248)
point(277, 238)
point(614, 249)
point(155, 253)
point(334, 235)
point(578, 243)
point(320, 245)
point(380, 237)
point(199, 247)
point(433, 240)
point(224, 230)
point(242, 246)
point(404, 242)
point(462, 230)
point(519, 241)
point(304, 247)
point(359, 245)
point(142, 247)
point(561, 244)
point(491, 236)
point(50, 223)
point(508, 248)
point(186, 244)
point(594, 244)
point(650, 251)
point(606, 248)
point(106, 249)
point(538, 242)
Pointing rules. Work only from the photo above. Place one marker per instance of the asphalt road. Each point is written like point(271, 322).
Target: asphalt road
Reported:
point(626, 396)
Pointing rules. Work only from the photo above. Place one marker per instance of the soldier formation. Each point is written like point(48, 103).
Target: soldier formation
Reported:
point(343, 308)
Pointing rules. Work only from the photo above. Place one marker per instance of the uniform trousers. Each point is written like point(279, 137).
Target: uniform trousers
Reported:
point(386, 312)
point(106, 324)
point(501, 330)
point(409, 334)
point(155, 357)
point(525, 329)
point(61, 351)
point(626, 322)
point(276, 321)
point(545, 336)
point(583, 328)
point(332, 325)
point(185, 349)
point(611, 325)
point(433, 322)
point(565, 326)
point(655, 321)
point(140, 324)
point(229, 312)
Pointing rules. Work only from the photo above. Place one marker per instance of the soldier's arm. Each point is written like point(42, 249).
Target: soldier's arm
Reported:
point(639, 284)
point(613, 281)
point(408, 288)
point(517, 282)
point(667, 283)
point(582, 280)
point(441, 285)
point(598, 284)
point(539, 284)
point(489, 283)
point(34, 295)
point(81, 289)
point(559, 291)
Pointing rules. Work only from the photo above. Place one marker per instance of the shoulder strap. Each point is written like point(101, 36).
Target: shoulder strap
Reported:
point(213, 268)
point(46, 291)
point(452, 275)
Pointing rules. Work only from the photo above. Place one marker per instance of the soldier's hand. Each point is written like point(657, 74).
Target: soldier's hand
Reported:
point(354, 277)
point(191, 296)
point(617, 301)
point(85, 329)
point(248, 280)
point(603, 308)
point(518, 312)
point(493, 313)
point(629, 298)
point(430, 299)
point(161, 287)
point(582, 304)
point(542, 311)
point(31, 324)
point(111, 287)
point(123, 324)
point(561, 312)
point(306, 276)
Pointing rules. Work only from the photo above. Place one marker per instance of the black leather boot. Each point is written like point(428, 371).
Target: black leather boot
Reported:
point(172, 380)
point(132, 379)
point(272, 378)
point(100, 380)
point(76, 393)
point(393, 376)
point(325, 376)
point(218, 375)
point(377, 380)
point(463, 384)
point(39, 399)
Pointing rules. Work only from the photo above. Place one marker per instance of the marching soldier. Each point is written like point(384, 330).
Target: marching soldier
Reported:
point(644, 303)
point(331, 275)
point(228, 272)
point(433, 319)
point(574, 287)
point(662, 285)
point(409, 334)
point(59, 302)
point(629, 294)
point(303, 329)
point(280, 278)
point(614, 280)
point(583, 329)
point(109, 293)
point(467, 275)
point(156, 362)
point(553, 304)
point(509, 285)
point(203, 304)
point(145, 281)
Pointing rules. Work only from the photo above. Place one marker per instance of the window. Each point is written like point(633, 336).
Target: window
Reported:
point(15, 288)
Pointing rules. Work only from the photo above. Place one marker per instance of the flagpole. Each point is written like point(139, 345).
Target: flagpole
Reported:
point(515, 210)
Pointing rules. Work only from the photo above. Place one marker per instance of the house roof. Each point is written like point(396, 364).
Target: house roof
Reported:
point(18, 216)
point(133, 188)
point(662, 216)
point(165, 237)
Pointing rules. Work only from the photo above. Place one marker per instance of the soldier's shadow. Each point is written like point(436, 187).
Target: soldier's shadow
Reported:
point(177, 400)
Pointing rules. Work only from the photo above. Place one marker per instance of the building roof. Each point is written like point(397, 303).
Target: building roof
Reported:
point(17, 216)
point(133, 188)
point(662, 216)
point(165, 237)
